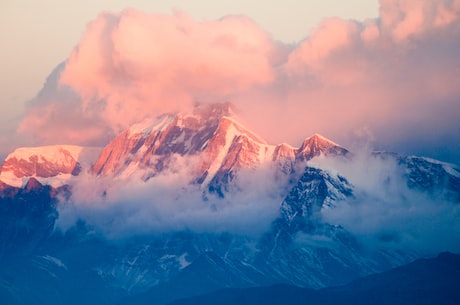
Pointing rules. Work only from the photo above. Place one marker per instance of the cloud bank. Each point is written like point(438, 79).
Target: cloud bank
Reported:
point(383, 214)
point(396, 77)
point(168, 202)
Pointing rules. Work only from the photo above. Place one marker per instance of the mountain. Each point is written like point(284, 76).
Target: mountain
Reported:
point(219, 143)
point(223, 145)
point(425, 281)
point(51, 165)
point(438, 179)
point(224, 165)
point(317, 145)
point(211, 133)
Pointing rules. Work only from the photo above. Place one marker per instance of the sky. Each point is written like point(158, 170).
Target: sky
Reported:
point(37, 36)
point(382, 72)
point(42, 34)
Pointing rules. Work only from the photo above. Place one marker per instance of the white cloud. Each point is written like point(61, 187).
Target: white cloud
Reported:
point(168, 202)
point(386, 212)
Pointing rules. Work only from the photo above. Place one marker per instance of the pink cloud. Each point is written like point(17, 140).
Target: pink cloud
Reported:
point(332, 34)
point(397, 76)
point(56, 124)
point(446, 13)
point(150, 63)
point(405, 18)
point(390, 77)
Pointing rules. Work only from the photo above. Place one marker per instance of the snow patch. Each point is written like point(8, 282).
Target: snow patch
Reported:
point(9, 178)
point(148, 125)
point(322, 139)
point(183, 261)
point(451, 169)
point(244, 131)
point(266, 153)
point(55, 261)
point(51, 153)
point(62, 155)
point(230, 134)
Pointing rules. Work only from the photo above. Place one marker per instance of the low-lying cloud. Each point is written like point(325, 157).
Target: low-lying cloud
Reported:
point(387, 213)
point(168, 202)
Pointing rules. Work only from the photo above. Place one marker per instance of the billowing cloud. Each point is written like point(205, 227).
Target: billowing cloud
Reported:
point(404, 18)
point(133, 64)
point(56, 115)
point(397, 77)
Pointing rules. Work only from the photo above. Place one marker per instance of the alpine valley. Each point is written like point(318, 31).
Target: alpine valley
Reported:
point(186, 204)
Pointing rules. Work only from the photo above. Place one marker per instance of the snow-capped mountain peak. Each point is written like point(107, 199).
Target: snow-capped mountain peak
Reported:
point(146, 127)
point(49, 164)
point(181, 134)
point(210, 132)
point(315, 145)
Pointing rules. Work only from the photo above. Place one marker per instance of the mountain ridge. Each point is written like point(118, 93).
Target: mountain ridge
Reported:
point(210, 130)
point(51, 164)
point(172, 185)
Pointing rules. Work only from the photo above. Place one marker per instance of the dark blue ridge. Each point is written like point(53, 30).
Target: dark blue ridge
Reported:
point(434, 281)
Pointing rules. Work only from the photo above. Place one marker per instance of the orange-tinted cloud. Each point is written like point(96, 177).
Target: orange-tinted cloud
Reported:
point(397, 77)
point(405, 18)
point(140, 63)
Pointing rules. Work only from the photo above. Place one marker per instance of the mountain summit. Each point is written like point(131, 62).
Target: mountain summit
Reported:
point(317, 145)
point(52, 164)
point(210, 136)
point(210, 132)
